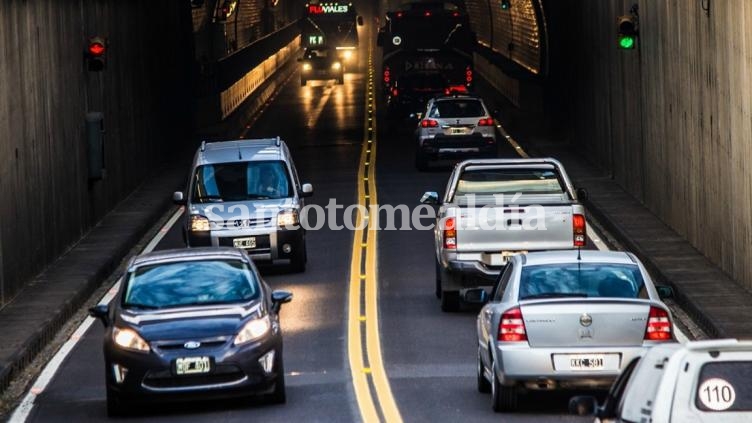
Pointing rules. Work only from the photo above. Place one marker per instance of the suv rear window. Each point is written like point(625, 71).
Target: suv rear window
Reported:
point(724, 386)
point(459, 108)
point(241, 181)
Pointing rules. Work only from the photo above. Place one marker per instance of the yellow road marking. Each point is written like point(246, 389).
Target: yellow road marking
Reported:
point(384, 399)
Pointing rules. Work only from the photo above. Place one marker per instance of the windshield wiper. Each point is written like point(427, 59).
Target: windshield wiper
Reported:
point(258, 197)
point(555, 295)
point(141, 306)
point(212, 198)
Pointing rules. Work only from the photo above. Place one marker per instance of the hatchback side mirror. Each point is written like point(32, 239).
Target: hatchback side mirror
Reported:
point(582, 194)
point(430, 198)
point(306, 190)
point(583, 405)
point(177, 198)
point(664, 291)
point(279, 298)
point(101, 312)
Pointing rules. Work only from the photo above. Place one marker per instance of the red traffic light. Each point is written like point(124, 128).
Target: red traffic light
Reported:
point(95, 53)
point(96, 48)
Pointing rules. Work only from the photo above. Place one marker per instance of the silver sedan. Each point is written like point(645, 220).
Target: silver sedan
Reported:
point(565, 319)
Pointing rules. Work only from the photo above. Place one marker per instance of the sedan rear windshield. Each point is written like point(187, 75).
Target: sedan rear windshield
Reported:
point(509, 181)
point(457, 109)
point(582, 280)
point(190, 283)
point(240, 181)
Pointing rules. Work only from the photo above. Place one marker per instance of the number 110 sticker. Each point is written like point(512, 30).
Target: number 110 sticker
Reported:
point(716, 394)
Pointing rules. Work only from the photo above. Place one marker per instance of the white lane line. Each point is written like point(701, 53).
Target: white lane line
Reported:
point(40, 384)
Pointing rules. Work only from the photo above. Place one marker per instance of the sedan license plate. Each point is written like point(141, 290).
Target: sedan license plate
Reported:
point(192, 365)
point(249, 242)
point(586, 362)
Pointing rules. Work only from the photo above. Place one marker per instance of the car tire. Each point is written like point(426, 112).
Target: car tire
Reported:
point(303, 82)
point(115, 405)
point(484, 386)
point(299, 258)
point(279, 395)
point(438, 279)
point(503, 398)
point(421, 161)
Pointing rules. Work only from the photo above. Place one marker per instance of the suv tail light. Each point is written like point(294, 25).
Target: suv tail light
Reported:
point(659, 325)
point(578, 228)
point(486, 122)
point(512, 326)
point(428, 123)
point(450, 234)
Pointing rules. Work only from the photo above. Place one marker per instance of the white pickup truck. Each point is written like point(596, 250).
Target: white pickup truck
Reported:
point(494, 208)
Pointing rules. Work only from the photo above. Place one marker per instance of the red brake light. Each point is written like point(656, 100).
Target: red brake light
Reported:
point(512, 326)
point(578, 228)
point(468, 74)
point(659, 325)
point(456, 14)
point(427, 13)
point(429, 123)
point(450, 233)
point(387, 75)
point(486, 122)
point(395, 92)
point(400, 14)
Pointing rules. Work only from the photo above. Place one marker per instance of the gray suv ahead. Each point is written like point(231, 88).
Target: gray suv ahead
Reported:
point(246, 194)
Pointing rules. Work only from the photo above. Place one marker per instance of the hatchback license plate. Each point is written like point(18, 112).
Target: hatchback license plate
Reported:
point(457, 131)
point(249, 242)
point(192, 365)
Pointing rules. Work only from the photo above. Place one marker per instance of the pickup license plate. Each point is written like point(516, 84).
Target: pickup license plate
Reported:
point(587, 362)
point(249, 242)
point(192, 365)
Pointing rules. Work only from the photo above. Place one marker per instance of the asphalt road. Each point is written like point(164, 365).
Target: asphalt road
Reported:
point(429, 356)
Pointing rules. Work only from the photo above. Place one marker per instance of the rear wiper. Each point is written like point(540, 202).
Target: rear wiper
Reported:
point(554, 295)
point(212, 198)
point(141, 306)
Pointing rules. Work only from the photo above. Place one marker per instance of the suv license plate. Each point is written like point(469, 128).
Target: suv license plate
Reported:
point(192, 365)
point(249, 242)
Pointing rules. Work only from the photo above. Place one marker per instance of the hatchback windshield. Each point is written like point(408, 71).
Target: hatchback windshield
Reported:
point(189, 283)
point(582, 280)
point(241, 181)
point(457, 109)
point(509, 181)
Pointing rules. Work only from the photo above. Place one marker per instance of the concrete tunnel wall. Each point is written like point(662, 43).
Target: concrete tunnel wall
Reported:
point(47, 202)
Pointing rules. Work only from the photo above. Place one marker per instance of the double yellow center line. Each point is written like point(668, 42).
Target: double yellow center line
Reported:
point(372, 390)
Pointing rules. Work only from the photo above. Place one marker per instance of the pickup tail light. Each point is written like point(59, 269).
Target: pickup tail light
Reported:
point(659, 326)
point(512, 326)
point(450, 234)
point(486, 122)
point(578, 228)
point(429, 123)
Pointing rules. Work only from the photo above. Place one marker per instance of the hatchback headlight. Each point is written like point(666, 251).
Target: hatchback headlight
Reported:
point(307, 66)
point(129, 339)
point(253, 330)
point(199, 223)
point(288, 218)
point(336, 65)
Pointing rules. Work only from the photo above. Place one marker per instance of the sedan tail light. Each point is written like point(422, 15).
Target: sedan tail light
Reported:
point(450, 234)
point(429, 123)
point(659, 325)
point(512, 326)
point(486, 122)
point(579, 229)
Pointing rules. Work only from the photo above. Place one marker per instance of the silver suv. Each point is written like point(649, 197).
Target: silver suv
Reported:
point(246, 194)
point(454, 126)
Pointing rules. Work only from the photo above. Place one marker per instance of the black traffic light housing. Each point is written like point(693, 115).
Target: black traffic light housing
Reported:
point(96, 54)
point(628, 29)
point(506, 4)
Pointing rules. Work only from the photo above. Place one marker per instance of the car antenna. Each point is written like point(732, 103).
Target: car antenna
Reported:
point(579, 255)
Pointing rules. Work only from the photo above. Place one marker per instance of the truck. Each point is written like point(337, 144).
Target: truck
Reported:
point(429, 40)
point(495, 208)
point(331, 25)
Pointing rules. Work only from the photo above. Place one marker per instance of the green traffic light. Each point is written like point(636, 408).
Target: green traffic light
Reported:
point(505, 4)
point(626, 42)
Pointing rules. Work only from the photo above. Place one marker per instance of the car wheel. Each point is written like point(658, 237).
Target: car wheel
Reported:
point(484, 386)
point(303, 82)
point(503, 398)
point(279, 395)
point(421, 161)
point(299, 258)
point(115, 405)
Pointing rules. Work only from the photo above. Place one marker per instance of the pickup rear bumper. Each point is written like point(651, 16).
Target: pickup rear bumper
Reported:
point(474, 268)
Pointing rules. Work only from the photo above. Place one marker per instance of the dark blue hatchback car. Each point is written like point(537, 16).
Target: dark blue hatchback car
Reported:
point(192, 323)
